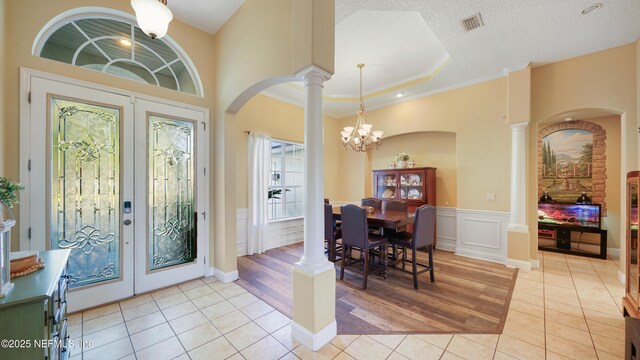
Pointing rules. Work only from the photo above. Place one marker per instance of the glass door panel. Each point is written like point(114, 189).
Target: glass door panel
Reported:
point(172, 230)
point(85, 188)
point(386, 186)
point(78, 183)
point(171, 216)
point(411, 186)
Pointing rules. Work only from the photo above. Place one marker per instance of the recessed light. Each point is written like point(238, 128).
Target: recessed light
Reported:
point(568, 118)
point(399, 95)
point(588, 10)
point(125, 42)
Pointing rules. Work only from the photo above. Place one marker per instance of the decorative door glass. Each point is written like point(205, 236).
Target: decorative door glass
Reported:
point(386, 186)
point(411, 186)
point(172, 218)
point(85, 188)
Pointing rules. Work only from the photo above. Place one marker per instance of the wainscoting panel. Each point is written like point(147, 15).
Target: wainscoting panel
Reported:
point(482, 234)
point(446, 228)
point(472, 233)
point(241, 231)
point(279, 233)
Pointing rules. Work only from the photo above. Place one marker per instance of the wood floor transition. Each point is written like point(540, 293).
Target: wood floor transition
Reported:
point(468, 296)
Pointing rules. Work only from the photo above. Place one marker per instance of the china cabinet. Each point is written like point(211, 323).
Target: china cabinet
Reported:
point(417, 186)
point(630, 300)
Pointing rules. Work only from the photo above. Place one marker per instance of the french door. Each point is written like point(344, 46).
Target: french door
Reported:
point(119, 181)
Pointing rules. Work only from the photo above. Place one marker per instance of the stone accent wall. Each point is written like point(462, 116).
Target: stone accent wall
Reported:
point(599, 166)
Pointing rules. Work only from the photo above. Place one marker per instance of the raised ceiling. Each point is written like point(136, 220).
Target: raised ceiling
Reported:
point(419, 47)
point(206, 15)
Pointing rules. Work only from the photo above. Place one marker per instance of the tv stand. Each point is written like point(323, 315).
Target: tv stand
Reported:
point(562, 236)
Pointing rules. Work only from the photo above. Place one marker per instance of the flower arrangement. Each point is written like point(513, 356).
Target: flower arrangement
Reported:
point(402, 157)
point(9, 192)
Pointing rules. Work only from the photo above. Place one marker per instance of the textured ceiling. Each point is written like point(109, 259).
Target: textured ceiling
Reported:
point(206, 15)
point(419, 47)
point(516, 33)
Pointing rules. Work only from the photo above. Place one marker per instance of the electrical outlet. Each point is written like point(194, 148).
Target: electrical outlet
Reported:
point(491, 196)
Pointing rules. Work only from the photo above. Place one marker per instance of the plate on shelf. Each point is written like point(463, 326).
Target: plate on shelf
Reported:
point(415, 180)
point(403, 194)
point(388, 194)
point(415, 194)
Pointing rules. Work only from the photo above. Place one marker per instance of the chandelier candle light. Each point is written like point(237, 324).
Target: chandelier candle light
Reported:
point(153, 16)
point(361, 138)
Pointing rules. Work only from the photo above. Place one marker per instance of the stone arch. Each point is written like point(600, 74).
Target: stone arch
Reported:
point(599, 175)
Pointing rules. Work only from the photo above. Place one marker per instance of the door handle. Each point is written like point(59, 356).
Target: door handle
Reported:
point(127, 222)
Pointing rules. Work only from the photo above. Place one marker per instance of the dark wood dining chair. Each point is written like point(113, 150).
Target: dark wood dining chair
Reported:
point(331, 234)
point(355, 234)
point(373, 202)
point(396, 205)
point(422, 236)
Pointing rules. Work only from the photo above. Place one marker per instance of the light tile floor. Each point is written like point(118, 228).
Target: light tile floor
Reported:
point(570, 308)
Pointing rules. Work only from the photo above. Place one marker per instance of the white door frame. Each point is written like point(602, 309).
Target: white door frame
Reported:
point(26, 75)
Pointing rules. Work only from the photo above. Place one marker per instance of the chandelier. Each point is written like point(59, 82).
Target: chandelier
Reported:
point(153, 16)
point(361, 138)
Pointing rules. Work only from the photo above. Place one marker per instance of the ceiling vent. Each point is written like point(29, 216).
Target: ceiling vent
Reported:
point(472, 22)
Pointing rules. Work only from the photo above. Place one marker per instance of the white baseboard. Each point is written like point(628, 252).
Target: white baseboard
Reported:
point(535, 264)
point(621, 277)
point(614, 252)
point(226, 277)
point(314, 341)
point(446, 244)
point(519, 264)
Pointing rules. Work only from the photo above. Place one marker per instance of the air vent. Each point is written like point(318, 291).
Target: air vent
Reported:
point(472, 22)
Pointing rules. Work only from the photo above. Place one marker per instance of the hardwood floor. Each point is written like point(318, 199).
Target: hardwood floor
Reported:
point(469, 296)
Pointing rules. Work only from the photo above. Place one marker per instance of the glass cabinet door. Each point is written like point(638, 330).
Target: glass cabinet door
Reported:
point(386, 186)
point(632, 236)
point(411, 186)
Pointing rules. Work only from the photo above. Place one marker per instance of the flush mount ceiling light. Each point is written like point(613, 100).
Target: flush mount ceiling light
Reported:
point(360, 138)
point(590, 9)
point(153, 16)
point(399, 95)
point(568, 118)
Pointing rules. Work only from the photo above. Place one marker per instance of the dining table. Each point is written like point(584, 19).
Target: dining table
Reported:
point(384, 219)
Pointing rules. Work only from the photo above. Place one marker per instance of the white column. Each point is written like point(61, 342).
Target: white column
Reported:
point(313, 259)
point(518, 220)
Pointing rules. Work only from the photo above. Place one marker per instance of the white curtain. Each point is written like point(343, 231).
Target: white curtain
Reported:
point(259, 167)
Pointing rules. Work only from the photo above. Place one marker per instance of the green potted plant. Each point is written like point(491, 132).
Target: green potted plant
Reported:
point(9, 190)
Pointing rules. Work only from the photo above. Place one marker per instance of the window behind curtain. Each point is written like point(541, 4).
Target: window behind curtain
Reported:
point(286, 180)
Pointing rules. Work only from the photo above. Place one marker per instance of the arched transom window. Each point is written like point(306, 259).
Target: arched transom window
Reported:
point(118, 47)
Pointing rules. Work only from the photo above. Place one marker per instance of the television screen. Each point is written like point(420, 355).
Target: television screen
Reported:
point(570, 214)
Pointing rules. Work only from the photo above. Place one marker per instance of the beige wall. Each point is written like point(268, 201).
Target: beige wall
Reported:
point(434, 149)
point(603, 80)
point(3, 171)
point(281, 121)
point(25, 18)
point(483, 143)
point(256, 49)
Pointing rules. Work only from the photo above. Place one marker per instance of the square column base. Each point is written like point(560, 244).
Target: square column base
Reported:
point(314, 306)
point(518, 248)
